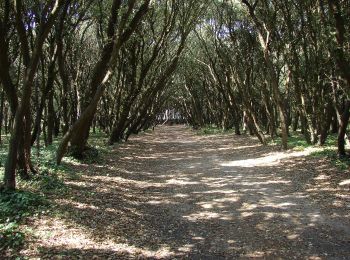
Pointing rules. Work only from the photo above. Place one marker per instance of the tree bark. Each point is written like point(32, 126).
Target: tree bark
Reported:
point(50, 118)
point(327, 120)
point(344, 120)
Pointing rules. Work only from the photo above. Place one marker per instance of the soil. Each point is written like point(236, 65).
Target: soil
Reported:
point(172, 194)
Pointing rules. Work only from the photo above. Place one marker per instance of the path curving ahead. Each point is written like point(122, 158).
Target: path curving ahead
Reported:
point(173, 194)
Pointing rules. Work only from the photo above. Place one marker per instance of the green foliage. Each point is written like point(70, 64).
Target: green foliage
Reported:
point(29, 200)
point(212, 130)
point(14, 206)
point(46, 159)
point(295, 141)
point(92, 153)
point(89, 155)
point(342, 163)
point(11, 236)
point(3, 154)
point(298, 142)
point(332, 140)
point(48, 182)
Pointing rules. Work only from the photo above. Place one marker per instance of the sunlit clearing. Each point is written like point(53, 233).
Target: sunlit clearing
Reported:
point(345, 183)
point(257, 183)
point(78, 205)
point(186, 248)
point(245, 147)
point(215, 192)
point(254, 255)
point(180, 195)
point(206, 215)
point(118, 181)
point(181, 182)
point(198, 238)
point(159, 202)
point(145, 157)
point(293, 236)
point(268, 160)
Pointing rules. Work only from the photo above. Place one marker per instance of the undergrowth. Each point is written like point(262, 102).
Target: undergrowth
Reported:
point(15, 207)
point(32, 197)
point(296, 141)
point(29, 200)
point(342, 163)
point(212, 130)
point(329, 150)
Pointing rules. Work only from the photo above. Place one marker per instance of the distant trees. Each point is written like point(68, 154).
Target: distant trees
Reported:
point(265, 64)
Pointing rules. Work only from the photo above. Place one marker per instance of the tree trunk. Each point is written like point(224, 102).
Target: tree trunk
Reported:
point(79, 132)
point(326, 123)
point(344, 120)
point(339, 53)
point(50, 118)
point(46, 93)
point(273, 79)
point(1, 113)
point(21, 128)
point(296, 121)
point(62, 68)
point(24, 156)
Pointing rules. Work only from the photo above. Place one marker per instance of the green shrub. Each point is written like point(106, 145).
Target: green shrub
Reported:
point(89, 155)
point(11, 236)
point(48, 181)
point(342, 163)
point(212, 130)
point(14, 206)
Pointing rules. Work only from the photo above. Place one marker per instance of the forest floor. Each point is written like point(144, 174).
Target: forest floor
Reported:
point(175, 194)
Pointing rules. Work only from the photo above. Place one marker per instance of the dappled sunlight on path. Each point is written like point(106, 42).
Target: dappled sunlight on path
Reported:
point(270, 159)
point(174, 194)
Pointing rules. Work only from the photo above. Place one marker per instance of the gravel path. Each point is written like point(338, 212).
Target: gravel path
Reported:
point(174, 194)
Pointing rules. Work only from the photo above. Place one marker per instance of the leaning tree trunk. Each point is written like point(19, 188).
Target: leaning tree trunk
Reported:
point(278, 99)
point(102, 71)
point(273, 79)
point(81, 124)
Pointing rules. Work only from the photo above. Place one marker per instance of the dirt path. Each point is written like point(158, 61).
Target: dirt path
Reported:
point(173, 194)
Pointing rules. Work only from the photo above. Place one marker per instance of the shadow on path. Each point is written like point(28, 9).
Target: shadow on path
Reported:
point(173, 194)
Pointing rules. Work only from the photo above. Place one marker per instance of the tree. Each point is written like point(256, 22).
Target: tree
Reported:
point(19, 149)
point(79, 132)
